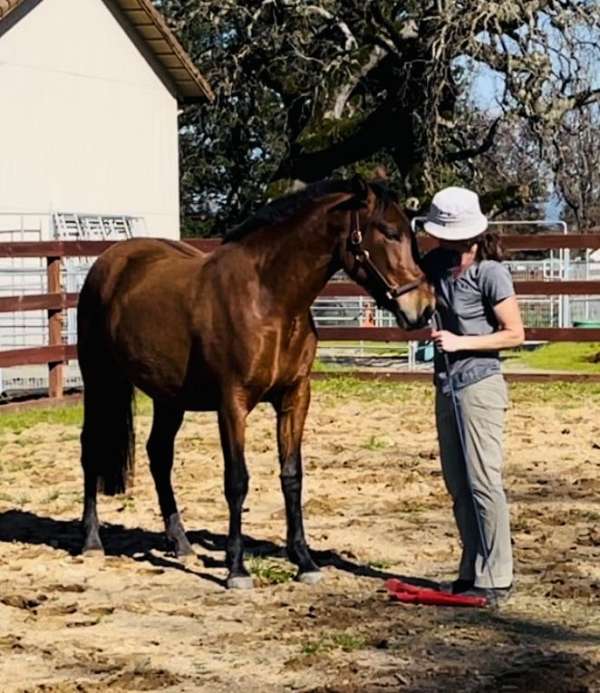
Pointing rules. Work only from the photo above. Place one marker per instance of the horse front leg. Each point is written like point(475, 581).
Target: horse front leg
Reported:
point(232, 426)
point(291, 410)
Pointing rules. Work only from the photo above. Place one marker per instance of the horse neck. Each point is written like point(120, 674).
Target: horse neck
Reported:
point(294, 264)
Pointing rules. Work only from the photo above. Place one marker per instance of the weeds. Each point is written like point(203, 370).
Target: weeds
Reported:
point(342, 640)
point(316, 647)
point(128, 502)
point(349, 642)
point(270, 572)
point(375, 443)
point(380, 564)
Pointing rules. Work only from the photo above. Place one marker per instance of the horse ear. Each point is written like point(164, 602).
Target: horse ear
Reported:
point(356, 196)
point(360, 189)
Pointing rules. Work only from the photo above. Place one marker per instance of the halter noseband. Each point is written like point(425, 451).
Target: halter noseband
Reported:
point(362, 257)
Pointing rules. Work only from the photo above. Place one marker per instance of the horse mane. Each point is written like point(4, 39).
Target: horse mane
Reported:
point(283, 208)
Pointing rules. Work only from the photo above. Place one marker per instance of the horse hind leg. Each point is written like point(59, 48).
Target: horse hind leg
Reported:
point(160, 448)
point(91, 527)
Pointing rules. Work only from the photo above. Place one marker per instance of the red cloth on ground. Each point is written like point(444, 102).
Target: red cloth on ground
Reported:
point(411, 594)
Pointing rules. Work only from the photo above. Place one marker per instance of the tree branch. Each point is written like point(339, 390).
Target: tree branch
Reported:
point(472, 152)
point(345, 91)
point(383, 128)
point(351, 41)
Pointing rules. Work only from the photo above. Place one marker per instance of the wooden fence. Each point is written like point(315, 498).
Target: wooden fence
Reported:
point(55, 301)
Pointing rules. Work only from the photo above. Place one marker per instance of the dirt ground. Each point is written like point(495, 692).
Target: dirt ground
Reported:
point(138, 620)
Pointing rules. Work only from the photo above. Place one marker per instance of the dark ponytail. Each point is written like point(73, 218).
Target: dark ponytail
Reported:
point(489, 247)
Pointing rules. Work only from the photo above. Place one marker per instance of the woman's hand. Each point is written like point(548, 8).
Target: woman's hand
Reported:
point(510, 335)
point(447, 341)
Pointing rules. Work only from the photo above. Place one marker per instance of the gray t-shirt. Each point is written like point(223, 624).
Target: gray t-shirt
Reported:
point(465, 305)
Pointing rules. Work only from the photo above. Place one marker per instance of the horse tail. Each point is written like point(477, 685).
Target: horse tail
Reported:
point(107, 437)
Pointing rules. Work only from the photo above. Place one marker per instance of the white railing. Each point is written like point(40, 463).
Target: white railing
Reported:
point(27, 276)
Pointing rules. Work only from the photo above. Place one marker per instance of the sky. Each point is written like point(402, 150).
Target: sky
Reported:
point(486, 92)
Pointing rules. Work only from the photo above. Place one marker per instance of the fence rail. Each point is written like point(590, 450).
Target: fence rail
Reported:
point(57, 354)
point(511, 243)
point(536, 287)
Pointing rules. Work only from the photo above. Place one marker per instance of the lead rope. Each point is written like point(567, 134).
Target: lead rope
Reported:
point(460, 428)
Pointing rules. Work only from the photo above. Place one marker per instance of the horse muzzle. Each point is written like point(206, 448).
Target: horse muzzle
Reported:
point(412, 320)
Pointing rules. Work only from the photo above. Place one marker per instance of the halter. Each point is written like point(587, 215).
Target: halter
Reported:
point(362, 257)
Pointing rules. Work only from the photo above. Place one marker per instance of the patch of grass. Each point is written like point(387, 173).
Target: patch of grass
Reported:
point(21, 421)
point(128, 502)
point(373, 390)
point(71, 415)
point(342, 640)
point(270, 572)
point(561, 393)
point(590, 516)
point(320, 367)
point(380, 564)
point(375, 443)
point(349, 641)
point(559, 356)
point(347, 387)
point(333, 389)
point(368, 347)
point(313, 647)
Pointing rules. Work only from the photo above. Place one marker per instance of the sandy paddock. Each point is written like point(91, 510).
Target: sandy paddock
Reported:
point(375, 506)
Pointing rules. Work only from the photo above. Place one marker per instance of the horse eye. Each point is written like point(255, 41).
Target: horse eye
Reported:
point(390, 232)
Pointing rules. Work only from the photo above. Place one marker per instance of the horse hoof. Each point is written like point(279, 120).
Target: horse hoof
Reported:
point(240, 582)
point(187, 558)
point(93, 553)
point(310, 578)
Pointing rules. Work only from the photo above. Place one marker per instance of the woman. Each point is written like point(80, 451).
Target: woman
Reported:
point(479, 315)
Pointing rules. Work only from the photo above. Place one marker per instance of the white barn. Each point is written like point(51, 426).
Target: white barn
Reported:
point(90, 92)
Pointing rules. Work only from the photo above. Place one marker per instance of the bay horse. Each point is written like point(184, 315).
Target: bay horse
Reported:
point(225, 330)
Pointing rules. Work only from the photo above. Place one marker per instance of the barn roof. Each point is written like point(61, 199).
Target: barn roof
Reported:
point(151, 27)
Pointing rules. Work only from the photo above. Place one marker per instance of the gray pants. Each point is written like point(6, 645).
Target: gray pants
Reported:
point(483, 407)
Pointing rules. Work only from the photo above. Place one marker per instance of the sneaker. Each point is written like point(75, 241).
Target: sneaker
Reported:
point(457, 586)
point(495, 596)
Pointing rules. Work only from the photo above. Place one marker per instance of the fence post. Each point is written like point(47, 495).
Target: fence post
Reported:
point(55, 320)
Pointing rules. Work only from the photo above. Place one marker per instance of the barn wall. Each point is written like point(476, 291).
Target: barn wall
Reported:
point(86, 125)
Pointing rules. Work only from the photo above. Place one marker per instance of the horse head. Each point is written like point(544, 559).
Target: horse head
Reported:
point(377, 249)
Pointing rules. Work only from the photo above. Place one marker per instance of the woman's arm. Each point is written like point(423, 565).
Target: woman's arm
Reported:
point(510, 334)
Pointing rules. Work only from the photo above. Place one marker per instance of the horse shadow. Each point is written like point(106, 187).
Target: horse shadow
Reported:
point(142, 545)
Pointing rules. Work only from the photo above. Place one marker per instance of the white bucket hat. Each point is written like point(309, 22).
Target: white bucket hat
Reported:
point(455, 215)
